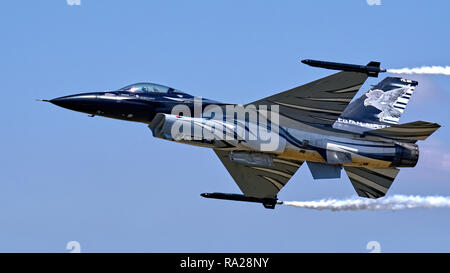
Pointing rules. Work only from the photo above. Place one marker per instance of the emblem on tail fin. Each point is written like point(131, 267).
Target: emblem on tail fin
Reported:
point(388, 100)
point(385, 102)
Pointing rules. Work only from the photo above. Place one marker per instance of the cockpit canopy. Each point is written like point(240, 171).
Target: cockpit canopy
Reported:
point(149, 87)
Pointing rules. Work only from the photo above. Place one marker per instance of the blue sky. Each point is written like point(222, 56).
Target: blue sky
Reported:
point(111, 186)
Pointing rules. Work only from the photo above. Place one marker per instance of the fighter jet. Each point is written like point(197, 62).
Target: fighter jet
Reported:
point(263, 143)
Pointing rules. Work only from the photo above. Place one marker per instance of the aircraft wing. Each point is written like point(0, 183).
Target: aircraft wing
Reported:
point(260, 181)
point(318, 102)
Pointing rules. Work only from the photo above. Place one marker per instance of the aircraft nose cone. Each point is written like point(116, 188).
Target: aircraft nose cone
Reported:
point(86, 103)
point(306, 61)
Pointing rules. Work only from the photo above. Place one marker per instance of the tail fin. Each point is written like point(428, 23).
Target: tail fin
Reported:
point(379, 107)
point(408, 132)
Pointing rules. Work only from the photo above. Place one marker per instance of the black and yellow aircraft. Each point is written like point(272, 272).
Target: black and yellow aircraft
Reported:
point(263, 143)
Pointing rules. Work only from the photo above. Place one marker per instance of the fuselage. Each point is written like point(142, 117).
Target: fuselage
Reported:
point(306, 143)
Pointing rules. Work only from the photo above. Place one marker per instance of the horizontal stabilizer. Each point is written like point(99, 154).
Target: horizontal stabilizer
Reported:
point(371, 182)
point(409, 132)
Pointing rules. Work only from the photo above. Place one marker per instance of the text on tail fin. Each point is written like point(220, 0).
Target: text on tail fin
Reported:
point(379, 107)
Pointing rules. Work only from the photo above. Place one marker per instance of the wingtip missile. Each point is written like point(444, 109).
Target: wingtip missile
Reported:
point(371, 69)
point(268, 203)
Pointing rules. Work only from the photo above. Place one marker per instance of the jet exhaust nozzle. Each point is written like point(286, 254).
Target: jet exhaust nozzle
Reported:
point(268, 203)
point(371, 69)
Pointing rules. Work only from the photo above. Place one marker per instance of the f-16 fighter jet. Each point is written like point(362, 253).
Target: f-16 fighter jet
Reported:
point(263, 143)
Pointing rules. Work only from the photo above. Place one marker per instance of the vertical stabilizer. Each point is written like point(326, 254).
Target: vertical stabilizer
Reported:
point(379, 107)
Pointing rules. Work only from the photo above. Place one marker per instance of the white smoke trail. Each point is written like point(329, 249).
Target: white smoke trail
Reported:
point(396, 202)
point(438, 70)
